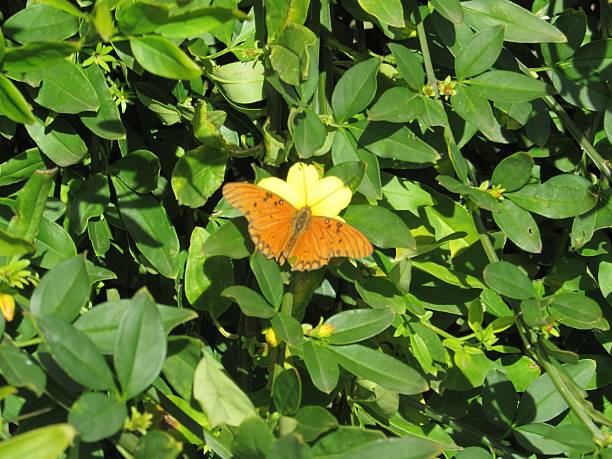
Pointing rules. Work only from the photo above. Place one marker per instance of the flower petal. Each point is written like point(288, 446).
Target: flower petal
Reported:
point(303, 179)
point(281, 188)
point(329, 197)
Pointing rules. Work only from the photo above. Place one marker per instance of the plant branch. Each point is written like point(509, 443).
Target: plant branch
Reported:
point(602, 164)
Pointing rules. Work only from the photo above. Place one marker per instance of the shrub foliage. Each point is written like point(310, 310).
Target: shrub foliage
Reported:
point(139, 321)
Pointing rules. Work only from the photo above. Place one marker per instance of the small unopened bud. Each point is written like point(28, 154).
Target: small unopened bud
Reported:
point(326, 330)
point(7, 306)
point(271, 337)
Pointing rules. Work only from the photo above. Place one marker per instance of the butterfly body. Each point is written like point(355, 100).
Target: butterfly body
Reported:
point(285, 233)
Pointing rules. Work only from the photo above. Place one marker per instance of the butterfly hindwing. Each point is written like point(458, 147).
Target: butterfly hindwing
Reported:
point(269, 216)
point(326, 238)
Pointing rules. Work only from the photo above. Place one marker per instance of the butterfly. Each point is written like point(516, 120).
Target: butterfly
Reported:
point(287, 233)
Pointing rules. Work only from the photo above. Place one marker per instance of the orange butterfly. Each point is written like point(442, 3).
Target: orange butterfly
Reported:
point(297, 220)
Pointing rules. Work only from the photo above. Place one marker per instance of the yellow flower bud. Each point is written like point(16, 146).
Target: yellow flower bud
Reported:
point(7, 306)
point(326, 330)
point(271, 337)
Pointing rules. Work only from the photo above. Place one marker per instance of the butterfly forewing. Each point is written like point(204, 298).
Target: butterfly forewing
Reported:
point(326, 238)
point(269, 216)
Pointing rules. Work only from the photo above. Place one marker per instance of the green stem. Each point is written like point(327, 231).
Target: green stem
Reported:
point(569, 396)
point(27, 343)
point(601, 163)
point(445, 419)
point(431, 76)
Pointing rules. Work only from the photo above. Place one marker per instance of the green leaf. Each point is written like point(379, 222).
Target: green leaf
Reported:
point(63, 291)
point(150, 227)
point(288, 329)
point(140, 348)
point(409, 447)
point(253, 439)
point(379, 367)
point(290, 54)
point(161, 57)
point(344, 149)
point(63, 5)
point(97, 416)
point(21, 167)
point(396, 105)
point(450, 9)
point(139, 170)
point(59, 141)
point(345, 439)
point(508, 280)
point(89, 201)
point(520, 25)
point(40, 23)
point(99, 234)
point(381, 226)
point(380, 293)
point(392, 141)
point(66, 89)
point(76, 354)
point(268, 278)
point(541, 401)
point(13, 104)
point(355, 89)
point(106, 123)
point(480, 52)
point(196, 21)
point(43, 443)
point(287, 392)
point(386, 11)
point(403, 194)
point(101, 323)
point(221, 399)
point(241, 82)
point(13, 246)
point(309, 133)
point(198, 174)
point(321, 365)
point(410, 66)
point(31, 202)
point(513, 171)
point(231, 240)
point(290, 446)
point(160, 445)
point(350, 172)
point(206, 277)
point(280, 12)
point(18, 369)
point(519, 226)
point(590, 94)
point(179, 368)
point(470, 105)
point(448, 275)
point(53, 244)
point(577, 311)
point(573, 24)
point(313, 421)
point(359, 324)
point(594, 58)
point(562, 196)
point(251, 303)
point(509, 87)
point(499, 399)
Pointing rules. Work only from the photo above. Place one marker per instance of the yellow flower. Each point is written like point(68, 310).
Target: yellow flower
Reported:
point(7, 306)
point(271, 337)
point(326, 196)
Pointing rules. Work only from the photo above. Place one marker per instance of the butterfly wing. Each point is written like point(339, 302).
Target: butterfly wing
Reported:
point(325, 238)
point(269, 216)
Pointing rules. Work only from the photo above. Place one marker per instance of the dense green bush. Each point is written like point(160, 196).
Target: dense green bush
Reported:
point(138, 321)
